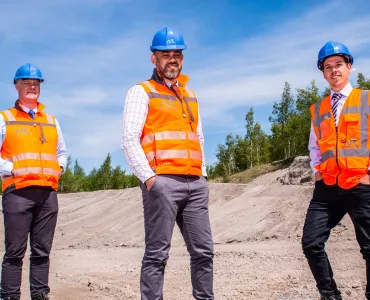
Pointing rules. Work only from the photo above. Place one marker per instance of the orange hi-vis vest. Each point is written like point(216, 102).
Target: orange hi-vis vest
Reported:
point(169, 137)
point(31, 145)
point(345, 149)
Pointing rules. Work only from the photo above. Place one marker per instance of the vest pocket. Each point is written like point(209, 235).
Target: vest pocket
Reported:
point(352, 125)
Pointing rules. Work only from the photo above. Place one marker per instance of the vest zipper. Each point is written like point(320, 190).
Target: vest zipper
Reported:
point(41, 165)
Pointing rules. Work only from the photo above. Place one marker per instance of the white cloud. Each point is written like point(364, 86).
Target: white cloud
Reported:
point(86, 80)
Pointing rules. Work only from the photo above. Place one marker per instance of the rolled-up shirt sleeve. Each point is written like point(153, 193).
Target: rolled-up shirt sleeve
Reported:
point(134, 116)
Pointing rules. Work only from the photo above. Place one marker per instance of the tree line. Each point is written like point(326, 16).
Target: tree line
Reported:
point(290, 129)
point(75, 180)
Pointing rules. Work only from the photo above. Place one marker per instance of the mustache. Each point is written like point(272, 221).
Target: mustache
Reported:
point(172, 64)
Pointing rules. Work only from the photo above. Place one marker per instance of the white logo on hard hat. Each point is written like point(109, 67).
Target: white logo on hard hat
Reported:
point(33, 71)
point(171, 41)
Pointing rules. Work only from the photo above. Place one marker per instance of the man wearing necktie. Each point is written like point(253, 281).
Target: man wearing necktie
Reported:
point(339, 147)
point(33, 156)
point(163, 143)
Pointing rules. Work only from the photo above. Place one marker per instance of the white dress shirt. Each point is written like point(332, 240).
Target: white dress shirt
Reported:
point(134, 117)
point(6, 167)
point(315, 153)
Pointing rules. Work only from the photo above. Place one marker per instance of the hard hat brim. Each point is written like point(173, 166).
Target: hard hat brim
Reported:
point(27, 77)
point(321, 61)
point(172, 47)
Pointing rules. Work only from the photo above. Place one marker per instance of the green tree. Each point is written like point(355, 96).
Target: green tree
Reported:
point(80, 180)
point(300, 122)
point(104, 174)
point(362, 82)
point(66, 180)
point(281, 113)
point(118, 180)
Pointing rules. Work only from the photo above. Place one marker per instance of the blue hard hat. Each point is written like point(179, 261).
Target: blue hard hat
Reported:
point(168, 39)
point(28, 71)
point(333, 48)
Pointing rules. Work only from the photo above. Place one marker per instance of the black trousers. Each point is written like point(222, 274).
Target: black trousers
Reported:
point(327, 207)
point(28, 212)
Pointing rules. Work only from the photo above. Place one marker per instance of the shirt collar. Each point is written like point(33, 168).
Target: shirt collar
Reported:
point(26, 109)
point(344, 91)
point(169, 84)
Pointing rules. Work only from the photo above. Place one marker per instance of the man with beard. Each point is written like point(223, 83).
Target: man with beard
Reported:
point(339, 152)
point(163, 143)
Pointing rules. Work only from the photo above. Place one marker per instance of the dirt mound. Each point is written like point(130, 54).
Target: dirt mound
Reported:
point(299, 172)
point(256, 228)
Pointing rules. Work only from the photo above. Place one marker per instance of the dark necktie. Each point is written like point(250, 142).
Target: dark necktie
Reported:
point(32, 114)
point(334, 107)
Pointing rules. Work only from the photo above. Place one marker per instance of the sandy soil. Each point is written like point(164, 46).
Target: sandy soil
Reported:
point(257, 229)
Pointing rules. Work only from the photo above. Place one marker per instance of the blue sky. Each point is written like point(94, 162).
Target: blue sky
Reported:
point(239, 55)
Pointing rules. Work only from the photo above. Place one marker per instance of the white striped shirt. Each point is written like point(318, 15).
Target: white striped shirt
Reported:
point(134, 118)
point(315, 153)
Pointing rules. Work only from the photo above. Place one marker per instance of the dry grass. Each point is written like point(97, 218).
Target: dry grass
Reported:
point(250, 174)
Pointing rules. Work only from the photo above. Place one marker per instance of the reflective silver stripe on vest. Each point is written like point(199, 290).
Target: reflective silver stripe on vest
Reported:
point(169, 154)
point(328, 154)
point(149, 86)
point(196, 155)
point(193, 136)
point(50, 119)
point(154, 93)
point(29, 123)
point(363, 110)
point(191, 94)
point(169, 135)
point(188, 99)
point(149, 156)
point(157, 95)
point(31, 155)
point(9, 115)
point(319, 118)
point(35, 170)
point(354, 152)
point(50, 171)
point(351, 110)
point(166, 154)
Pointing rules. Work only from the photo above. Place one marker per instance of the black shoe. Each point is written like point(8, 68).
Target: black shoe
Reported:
point(332, 297)
point(9, 298)
point(42, 296)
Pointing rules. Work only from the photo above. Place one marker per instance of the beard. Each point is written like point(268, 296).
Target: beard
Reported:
point(170, 73)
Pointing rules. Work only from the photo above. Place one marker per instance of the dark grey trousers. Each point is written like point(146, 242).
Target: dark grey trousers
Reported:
point(28, 212)
point(181, 199)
